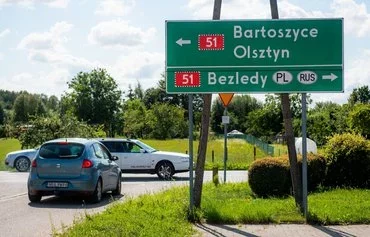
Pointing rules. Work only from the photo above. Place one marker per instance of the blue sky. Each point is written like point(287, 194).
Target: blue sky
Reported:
point(44, 43)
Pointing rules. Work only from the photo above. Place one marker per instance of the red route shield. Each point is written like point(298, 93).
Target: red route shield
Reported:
point(187, 79)
point(211, 42)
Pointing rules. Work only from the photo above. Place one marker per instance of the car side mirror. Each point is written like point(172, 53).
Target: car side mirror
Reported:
point(142, 151)
point(114, 158)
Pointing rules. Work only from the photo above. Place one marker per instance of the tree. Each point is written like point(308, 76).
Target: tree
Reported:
point(26, 105)
point(359, 119)
point(134, 118)
point(360, 95)
point(240, 106)
point(166, 121)
point(265, 123)
point(326, 119)
point(95, 98)
point(52, 103)
point(2, 115)
point(139, 91)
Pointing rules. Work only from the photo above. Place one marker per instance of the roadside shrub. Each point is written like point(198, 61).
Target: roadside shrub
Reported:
point(316, 170)
point(269, 177)
point(348, 161)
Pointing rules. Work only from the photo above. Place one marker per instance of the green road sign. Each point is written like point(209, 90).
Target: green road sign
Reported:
point(257, 56)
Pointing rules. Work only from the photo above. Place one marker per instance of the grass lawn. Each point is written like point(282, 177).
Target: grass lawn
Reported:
point(6, 146)
point(165, 214)
point(240, 153)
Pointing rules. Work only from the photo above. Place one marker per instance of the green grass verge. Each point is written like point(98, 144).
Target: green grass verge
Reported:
point(6, 146)
point(340, 206)
point(235, 203)
point(240, 153)
point(165, 214)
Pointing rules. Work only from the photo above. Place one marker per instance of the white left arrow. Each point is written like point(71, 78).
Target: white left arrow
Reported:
point(182, 42)
point(331, 77)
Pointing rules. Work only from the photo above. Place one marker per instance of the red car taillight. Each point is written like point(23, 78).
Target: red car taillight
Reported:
point(87, 163)
point(34, 163)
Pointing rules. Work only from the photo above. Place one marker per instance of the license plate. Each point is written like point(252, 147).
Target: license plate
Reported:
point(57, 185)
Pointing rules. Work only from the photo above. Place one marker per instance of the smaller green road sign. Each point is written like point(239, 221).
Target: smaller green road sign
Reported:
point(254, 56)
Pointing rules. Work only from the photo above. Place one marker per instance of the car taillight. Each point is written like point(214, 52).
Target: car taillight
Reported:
point(87, 163)
point(34, 163)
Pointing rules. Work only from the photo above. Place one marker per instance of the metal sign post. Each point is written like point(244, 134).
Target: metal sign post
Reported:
point(304, 154)
point(191, 182)
point(225, 122)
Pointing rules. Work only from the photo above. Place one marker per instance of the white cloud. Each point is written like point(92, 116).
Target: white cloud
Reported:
point(4, 33)
point(115, 7)
point(50, 40)
point(144, 67)
point(50, 83)
point(118, 33)
point(31, 3)
point(253, 9)
point(356, 16)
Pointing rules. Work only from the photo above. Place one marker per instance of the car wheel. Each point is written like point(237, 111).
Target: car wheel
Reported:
point(34, 198)
point(117, 191)
point(165, 170)
point(97, 194)
point(22, 164)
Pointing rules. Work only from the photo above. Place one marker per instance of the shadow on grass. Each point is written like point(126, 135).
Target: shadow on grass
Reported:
point(231, 231)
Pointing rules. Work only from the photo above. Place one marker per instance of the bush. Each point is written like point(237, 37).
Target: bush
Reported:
point(269, 177)
point(348, 159)
point(316, 170)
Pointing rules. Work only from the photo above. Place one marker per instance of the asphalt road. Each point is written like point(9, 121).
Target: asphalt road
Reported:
point(18, 217)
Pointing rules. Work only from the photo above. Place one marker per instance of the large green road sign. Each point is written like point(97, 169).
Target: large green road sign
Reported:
point(254, 56)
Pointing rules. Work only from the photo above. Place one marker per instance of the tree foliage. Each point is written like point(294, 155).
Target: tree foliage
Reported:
point(42, 129)
point(360, 95)
point(325, 120)
point(238, 109)
point(94, 98)
point(2, 114)
point(166, 121)
point(26, 105)
point(134, 117)
point(359, 119)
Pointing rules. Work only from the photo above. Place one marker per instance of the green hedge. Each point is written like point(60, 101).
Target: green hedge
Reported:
point(271, 176)
point(348, 157)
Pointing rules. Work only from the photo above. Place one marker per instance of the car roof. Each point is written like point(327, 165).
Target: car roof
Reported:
point(111, 139)
point(71, 140)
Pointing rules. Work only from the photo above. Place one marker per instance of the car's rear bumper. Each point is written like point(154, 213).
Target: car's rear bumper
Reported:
point(84, 184)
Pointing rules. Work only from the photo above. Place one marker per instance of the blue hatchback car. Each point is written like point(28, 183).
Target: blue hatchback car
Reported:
point(73, 165)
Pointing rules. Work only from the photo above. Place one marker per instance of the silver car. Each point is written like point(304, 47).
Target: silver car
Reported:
point(73, 165)
point(21, 160)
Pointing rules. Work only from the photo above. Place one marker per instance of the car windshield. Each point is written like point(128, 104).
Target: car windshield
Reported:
point(146, 147)
point(61, 150)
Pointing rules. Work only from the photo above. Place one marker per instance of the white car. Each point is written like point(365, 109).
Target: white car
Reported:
point(138, 157)
point(21, 160)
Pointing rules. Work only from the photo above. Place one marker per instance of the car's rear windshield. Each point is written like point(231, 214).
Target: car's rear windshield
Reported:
point(61, 150)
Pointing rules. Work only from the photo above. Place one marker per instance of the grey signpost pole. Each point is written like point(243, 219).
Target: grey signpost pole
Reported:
point(225, 144)
point(191, 152)
point(304, 154)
